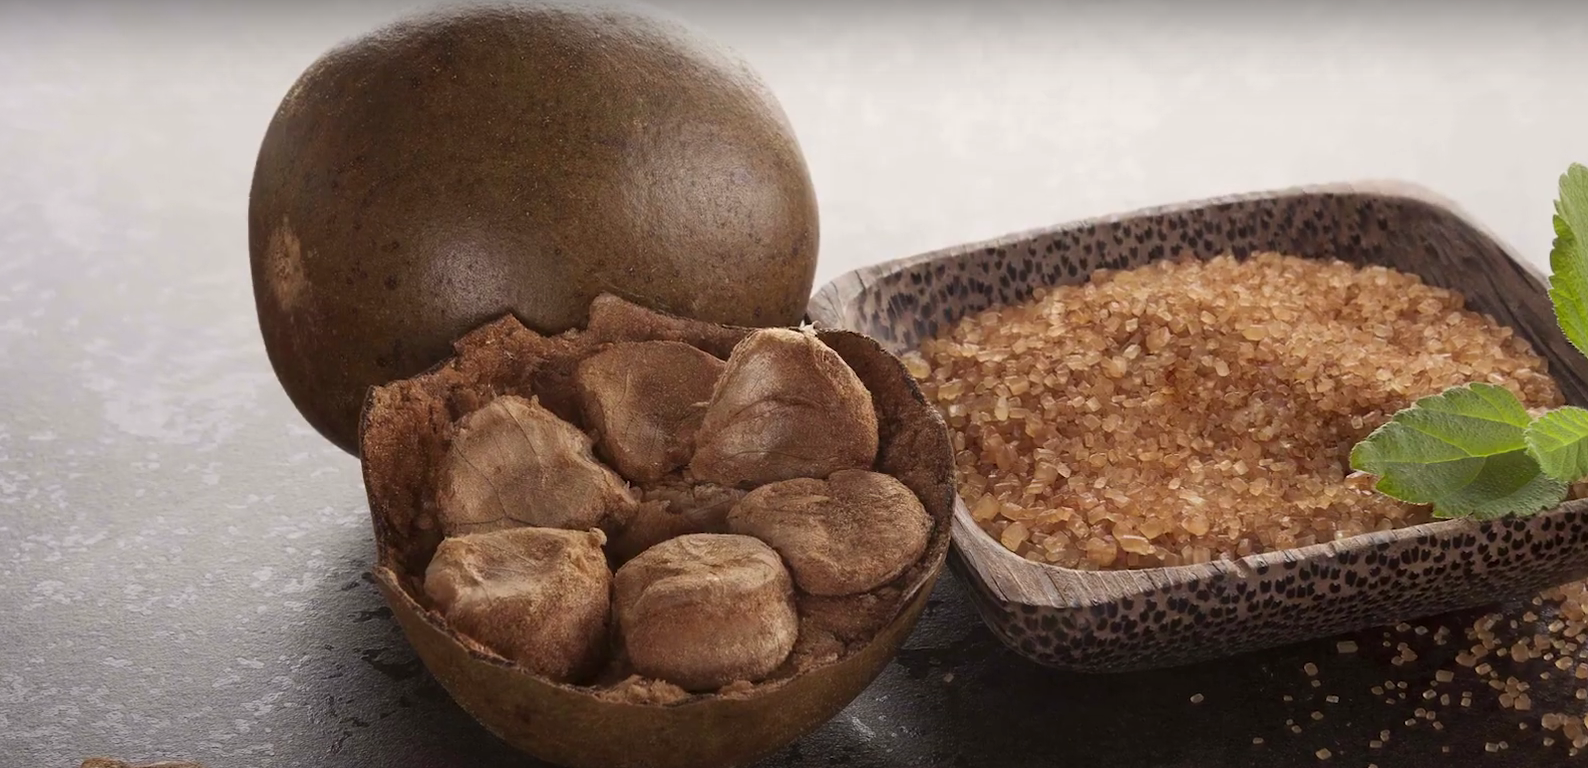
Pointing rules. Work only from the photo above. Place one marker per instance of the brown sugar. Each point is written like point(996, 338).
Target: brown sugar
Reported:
point(1191, 410)
point(1552, 627)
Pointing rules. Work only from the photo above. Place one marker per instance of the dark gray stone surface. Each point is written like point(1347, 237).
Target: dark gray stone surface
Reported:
point(183, 560)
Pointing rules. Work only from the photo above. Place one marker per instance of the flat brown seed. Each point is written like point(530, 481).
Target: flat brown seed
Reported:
point(705, 610)
point(850, 533)
point(515, 463)
point(787, 406)
point(535, 596)
point(645, 400)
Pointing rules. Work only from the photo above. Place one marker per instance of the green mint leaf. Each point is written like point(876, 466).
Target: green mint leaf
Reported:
point(1568, 259)
point(1558, 441)
point(1464, 451)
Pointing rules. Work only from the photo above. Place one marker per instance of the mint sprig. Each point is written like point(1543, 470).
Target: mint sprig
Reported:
point(1568, 260)
point(1558, 441)
point(1473, 450)
point(1464, 451)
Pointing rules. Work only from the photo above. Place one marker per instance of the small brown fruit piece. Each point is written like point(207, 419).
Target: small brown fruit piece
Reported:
point(645, 400)
point(850, 533)
point(515, 463)
point(787, 406)
point(670, 510)
point(705, 610)
point(536, 596)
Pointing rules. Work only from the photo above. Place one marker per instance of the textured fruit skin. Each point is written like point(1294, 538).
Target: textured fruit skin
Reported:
point(435, 173)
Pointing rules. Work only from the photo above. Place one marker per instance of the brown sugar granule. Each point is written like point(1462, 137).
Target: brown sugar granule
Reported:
point(1186, 411)
point(1559, 625)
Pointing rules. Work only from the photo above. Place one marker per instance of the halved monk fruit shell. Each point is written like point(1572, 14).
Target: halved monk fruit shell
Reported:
point(618, 720)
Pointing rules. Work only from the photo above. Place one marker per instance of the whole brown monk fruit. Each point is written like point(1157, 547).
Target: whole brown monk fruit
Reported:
point(433, 174)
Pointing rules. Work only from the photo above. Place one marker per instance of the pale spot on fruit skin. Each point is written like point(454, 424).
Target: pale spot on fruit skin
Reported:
point(284, 268)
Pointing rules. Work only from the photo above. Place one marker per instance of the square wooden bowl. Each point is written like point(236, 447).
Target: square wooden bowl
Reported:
point(1114, 621)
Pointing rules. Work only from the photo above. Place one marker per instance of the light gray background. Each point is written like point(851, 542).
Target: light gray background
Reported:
point(925, 124)
point(180, 556)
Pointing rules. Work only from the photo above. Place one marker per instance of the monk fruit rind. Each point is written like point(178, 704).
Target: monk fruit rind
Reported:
point(705, 610)
point(787, 406)
point(644, 401)
point(513, 462)
point(535, 596)
point(850, 533)
point(492, 157)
